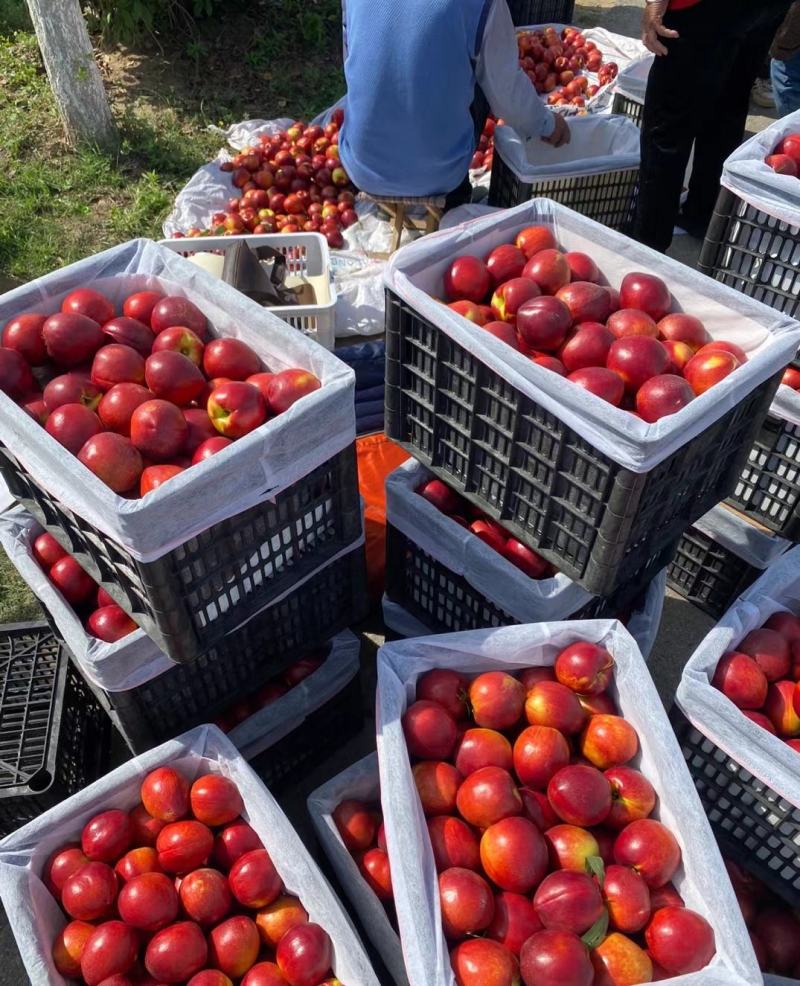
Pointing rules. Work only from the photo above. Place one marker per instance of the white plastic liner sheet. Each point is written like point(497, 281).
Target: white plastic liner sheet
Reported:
point(715, 716)
point(598, 144)
point(36, 918)
point(769, 338)
point(632, 80)
point(757, 547)
point(701, 879)
point(527, 600)
point(361, 783)
point(746, 175)
point(254, 469)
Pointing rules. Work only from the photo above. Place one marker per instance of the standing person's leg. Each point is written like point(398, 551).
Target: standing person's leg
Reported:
point(671, 116)
point(786, 84)
point(727, 103)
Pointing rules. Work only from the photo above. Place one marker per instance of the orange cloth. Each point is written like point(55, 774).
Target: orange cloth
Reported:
point(377, 457)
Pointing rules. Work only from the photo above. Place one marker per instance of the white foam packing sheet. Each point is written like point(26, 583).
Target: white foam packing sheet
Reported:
point(135, 660)
point(361, 783)
point(746, 175)
point(643, 624)
point(752, 544)
point(632, 80)
point(659, 758)
point(35, 917)
point(765, 756)
point(525, 599)
point(251, 471)
point(598, 144)
point(770, 339)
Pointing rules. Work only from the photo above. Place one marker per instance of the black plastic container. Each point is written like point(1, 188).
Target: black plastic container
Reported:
point(625, 106)
point(331, 725)
point(753, 252)
point(446, 602)
point(54, 737)
point(608, 198)
point(768, 489)
point(754, 825)
point(190, 598)
point(707, 574)
point(235, 667)
point(598, 523)
point(526, 13)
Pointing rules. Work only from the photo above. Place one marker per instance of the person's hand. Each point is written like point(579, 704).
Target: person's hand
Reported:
point(560, 134)
point(653, 29)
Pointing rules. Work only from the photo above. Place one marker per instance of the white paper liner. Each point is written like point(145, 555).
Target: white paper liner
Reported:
point(35, 918)
point(701, 879)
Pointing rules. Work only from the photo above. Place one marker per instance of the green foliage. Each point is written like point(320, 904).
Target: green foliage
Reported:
point(128, 20)
point(14, 16)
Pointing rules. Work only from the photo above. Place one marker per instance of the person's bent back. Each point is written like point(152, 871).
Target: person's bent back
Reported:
point(411, 68)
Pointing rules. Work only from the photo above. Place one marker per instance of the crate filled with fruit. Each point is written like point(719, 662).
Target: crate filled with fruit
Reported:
point(347, 817)
point(250, 682)
point(591, 396)
point(569, 845)
point(451, 567)
point(739, 725)
point(565, 67)
point(164, 429)
point(719, 556)
point(179, 867)
point(753, 239)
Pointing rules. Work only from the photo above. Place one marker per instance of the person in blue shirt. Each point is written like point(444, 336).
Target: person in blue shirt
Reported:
point(412, 68)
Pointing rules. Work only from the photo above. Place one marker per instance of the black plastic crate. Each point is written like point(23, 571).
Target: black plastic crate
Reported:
point(54, 737)
point(596, 522)
point(446, 602)
point(753, 252)
point(625, 106)
point(329, 727)
point(608, 198)
point(526, 13)
point(235, 667)
point(707, 574)
point(754, 825)
point(768, 489)
point(193, 596)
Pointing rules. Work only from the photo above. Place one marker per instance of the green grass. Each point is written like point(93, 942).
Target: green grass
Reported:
point(17, 602)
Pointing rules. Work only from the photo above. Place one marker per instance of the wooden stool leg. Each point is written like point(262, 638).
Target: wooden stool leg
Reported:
point(398, 225)
point(432, 219)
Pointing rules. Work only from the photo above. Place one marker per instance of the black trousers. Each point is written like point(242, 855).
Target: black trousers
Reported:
point(699, 94)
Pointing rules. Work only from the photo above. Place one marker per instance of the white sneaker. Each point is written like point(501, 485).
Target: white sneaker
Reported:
point(762, 94)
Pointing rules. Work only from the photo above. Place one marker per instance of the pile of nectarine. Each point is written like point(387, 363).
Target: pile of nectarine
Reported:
point(555, 63)
point(142, 396)
point(550, 864)
point(180, 890)
point(484, 153)
point(290, 181)
point(773, 926)
point(785, 159)
point(626, 346)
point(489, 531)
point(762, 677)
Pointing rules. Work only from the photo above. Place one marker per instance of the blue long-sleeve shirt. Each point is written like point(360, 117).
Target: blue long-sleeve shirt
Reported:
point(411, 68)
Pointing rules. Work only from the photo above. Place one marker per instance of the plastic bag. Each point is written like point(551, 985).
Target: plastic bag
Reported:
point(756, 546)
point(746, 175)
point(35, 917)
point(765, 756)
point(362, 783)
point(701, 880)
point(598, 144)
point(632, 80)
point(252, 470)
point(525, 599)
point(769, 338)
point(377, 457)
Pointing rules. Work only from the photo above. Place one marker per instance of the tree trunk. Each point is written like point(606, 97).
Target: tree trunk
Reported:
point(73, 72)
